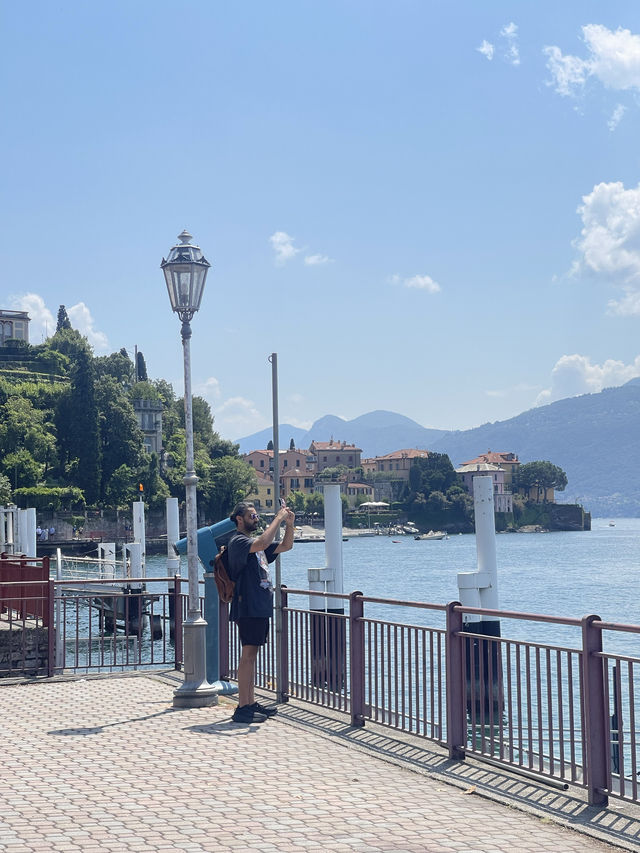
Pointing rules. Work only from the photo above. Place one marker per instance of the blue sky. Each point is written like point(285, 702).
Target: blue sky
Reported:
point(427, 207)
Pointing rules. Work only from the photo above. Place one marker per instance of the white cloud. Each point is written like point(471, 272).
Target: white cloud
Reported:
point(486, 49)
point(43, 323)
point(417, 282)
point(283, 246)
point(237, 417)
point(575, 374)
point(613, 59)
point(314, 260)
point(616, 117)
point(209, 389)
point(512, 52)
point(609, 243)
point(568, 72)
point(81, 319)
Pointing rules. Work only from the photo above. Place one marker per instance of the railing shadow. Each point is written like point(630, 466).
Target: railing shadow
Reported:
point(614, 824)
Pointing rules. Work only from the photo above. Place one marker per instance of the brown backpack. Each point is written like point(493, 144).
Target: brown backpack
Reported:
point(221, 575)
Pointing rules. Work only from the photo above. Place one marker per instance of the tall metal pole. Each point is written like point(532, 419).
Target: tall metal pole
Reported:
point(276, 498)
point(196, 690)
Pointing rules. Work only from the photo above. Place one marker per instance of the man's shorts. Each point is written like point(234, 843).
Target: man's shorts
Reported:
point(253, 630)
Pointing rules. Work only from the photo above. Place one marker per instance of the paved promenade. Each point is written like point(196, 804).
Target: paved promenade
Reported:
point(106, 764)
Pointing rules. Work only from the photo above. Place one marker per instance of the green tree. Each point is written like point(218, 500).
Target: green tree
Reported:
point(433, 473)
point(121, 439)
point(292, 445)
point(5, 490)
point(314, 503)
point(117, 365)
point(63, 319)
point(229, 480)
point(270, 445)
point(542, 476)
point(21, 468)
point(141, 368)
point(296, 501)
point(22, 425)
point(77, 419)
point(122, 487)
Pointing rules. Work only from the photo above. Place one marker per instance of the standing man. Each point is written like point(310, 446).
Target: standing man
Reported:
point(252, 604)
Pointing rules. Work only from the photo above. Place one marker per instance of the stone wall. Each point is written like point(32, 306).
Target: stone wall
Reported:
point(23, 649)
point(108, 525)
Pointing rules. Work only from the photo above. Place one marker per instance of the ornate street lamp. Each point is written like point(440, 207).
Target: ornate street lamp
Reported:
point(185, 272)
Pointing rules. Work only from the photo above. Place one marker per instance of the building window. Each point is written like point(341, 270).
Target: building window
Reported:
point(351, 459)
point(269, 503)
point(262, 463)
point(268, 491)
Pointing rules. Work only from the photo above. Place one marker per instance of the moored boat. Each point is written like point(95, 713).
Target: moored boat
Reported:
point(432, 534)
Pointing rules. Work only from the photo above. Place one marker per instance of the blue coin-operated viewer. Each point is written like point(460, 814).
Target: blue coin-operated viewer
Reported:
point(210, 540)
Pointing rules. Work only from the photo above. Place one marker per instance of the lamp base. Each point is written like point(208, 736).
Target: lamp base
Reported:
point(196, 692)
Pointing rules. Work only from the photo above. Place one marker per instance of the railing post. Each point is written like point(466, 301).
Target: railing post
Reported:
point(596, 723)
point(223, 639)
point(177, 639)
point(356, 657)
point(456, 711)
point(282, 665)
point(51, 629)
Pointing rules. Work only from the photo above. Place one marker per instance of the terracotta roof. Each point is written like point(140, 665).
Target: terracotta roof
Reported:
point(495, 457)
point(406, 453)
point(333, 445)
point(294, 472)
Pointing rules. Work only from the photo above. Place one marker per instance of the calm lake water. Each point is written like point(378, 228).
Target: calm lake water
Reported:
point(560, 574)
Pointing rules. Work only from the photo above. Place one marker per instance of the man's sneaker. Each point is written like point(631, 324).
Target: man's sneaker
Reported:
point(267, 710)
point(248, 714)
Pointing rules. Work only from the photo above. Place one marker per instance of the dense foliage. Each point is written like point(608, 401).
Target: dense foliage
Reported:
point(69, 434)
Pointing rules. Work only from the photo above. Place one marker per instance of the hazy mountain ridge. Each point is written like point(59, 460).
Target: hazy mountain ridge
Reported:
point(595, 438)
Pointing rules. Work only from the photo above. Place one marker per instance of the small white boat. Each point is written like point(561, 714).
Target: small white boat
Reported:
point(612, 524)
point(432, 534)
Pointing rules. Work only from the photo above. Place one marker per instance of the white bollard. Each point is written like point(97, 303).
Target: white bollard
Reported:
point(333, 542)
point(139, 532)
point(480, 589)
point(107, 552)
point(173, 534)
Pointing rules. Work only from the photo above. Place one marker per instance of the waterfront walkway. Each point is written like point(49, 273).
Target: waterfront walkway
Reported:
point(106, 764)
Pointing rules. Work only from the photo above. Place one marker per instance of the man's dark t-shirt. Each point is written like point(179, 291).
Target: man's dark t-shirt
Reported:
point(253, 595)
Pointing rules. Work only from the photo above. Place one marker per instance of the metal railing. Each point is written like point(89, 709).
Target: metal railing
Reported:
point(564, 710)
point(561, 712)
point(99, 624)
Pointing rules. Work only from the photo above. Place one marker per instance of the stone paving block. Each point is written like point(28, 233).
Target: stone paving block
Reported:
point(108, 764)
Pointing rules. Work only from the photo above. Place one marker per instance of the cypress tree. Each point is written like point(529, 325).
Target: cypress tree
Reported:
point(63, 319)
point(142, 368)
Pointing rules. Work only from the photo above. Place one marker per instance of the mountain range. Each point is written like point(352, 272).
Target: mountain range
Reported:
point(594, 438)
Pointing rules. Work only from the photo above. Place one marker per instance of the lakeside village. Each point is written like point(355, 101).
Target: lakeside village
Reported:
point(82, 437)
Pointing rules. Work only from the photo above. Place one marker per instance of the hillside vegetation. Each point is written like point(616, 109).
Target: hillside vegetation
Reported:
point(69, 436)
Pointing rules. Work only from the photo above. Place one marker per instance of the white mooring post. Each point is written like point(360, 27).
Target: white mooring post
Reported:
point(12, 528)
point(139, 534)
point(173, 560)
point(107, 552)
point(328, 640)
point(480, 589)
point(27, 532)
point(3, 530)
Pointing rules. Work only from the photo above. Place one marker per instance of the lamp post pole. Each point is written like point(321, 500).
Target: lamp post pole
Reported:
point(185, 271)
